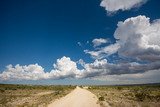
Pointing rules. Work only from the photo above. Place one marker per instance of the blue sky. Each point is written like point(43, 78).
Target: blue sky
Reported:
point(42, 31)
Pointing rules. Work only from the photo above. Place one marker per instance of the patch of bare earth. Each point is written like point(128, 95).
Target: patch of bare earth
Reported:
point(77, 98)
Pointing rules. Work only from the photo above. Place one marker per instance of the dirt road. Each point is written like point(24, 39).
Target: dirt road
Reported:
point(77, 98)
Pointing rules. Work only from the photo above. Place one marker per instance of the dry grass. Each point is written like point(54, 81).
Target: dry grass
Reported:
point(30, 96)
point(128, 96)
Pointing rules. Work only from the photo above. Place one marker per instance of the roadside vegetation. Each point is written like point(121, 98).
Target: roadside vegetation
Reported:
point(113, 96)
point(31, 95)
point(128, 96)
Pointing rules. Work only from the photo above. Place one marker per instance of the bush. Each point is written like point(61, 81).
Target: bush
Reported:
point(101, 98)
point(57, 93)
point(119, 88)
point(140, 96)
point(2, 90)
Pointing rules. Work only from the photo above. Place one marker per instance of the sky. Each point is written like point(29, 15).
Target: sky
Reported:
point(79, 41)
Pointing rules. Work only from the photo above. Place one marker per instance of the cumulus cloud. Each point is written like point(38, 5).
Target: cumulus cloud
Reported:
point(141, 40)
point(64, 68)
point(123, 68)
point(30, 72)
point(97, 42)
point(113, 6)
point(136, 38)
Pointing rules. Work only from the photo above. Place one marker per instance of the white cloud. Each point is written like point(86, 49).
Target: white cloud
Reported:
point(30, 72)
point(111, 49)
point(97, 42)
point(81, 62)
point(141, 40)
point(64, 68)
point(103, 68)
point(113, 6)
point(94, 54)
point(104, 51)
point(137, 38)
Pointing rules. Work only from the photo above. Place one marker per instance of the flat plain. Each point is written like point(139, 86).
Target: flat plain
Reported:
point(30, 95)
point(128, 95)
point(107, 96)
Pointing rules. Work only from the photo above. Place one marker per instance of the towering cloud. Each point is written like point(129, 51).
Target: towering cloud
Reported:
point(65, 68)
point(138, 44)
point(141, 40)
point(138, 39)
point(113, 6)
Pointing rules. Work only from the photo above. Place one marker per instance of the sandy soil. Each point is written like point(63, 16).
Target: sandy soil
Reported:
point(77, 98)
point(30, 99)
point(43, 93)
